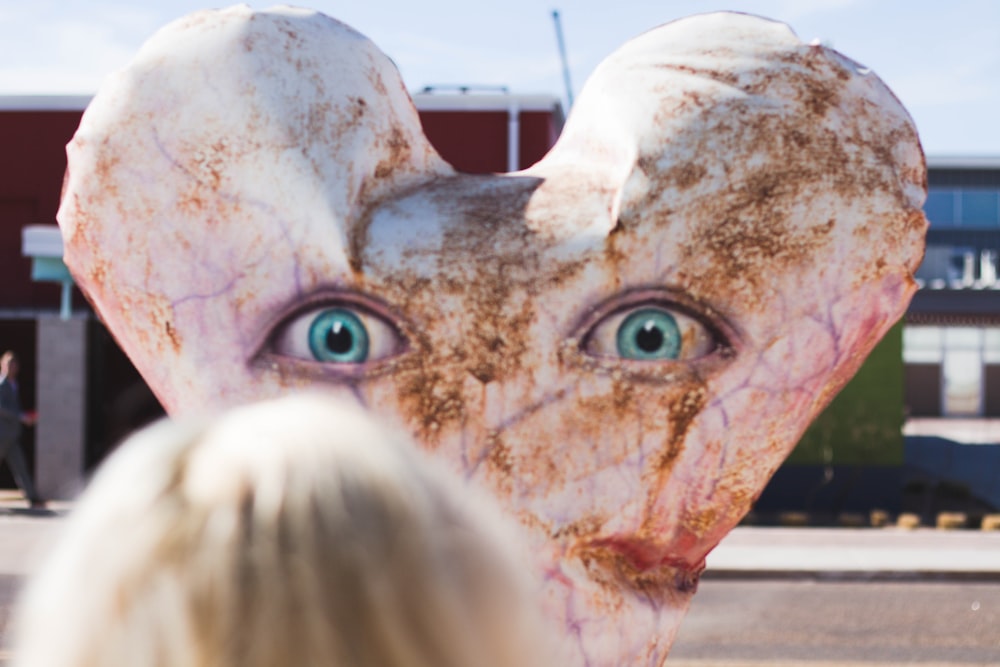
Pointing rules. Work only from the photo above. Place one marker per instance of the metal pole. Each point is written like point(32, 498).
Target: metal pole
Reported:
point(66, 301)
point(565, 62)
point(513, 137)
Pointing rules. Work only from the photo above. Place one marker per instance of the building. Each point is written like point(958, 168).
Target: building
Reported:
point(952, 338)
point(951, 343)
point(85, 390)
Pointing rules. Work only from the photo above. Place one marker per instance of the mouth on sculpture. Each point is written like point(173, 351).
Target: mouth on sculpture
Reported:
point(663, 575)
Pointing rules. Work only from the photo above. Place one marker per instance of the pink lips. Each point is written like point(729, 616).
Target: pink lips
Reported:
point(648, 565)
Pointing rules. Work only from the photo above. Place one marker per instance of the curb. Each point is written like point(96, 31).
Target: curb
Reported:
point(876, 518)
point(853, 576)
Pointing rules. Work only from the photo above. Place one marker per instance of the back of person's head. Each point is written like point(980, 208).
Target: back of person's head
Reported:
point(292, 532)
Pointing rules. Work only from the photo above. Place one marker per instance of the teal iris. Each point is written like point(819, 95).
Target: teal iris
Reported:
point(338, 335)
point(649, 334)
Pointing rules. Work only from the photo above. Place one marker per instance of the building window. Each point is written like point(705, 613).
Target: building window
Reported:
point(979, 208)
point(923, 344)
point(940, 207)
point(962, 372)
point(969, 207)
point(952, 371)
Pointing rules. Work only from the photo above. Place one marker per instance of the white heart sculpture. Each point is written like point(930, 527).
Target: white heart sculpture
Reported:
point(622, 342)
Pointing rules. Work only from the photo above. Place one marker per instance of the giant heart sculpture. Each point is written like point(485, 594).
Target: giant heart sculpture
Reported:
point(622, 342)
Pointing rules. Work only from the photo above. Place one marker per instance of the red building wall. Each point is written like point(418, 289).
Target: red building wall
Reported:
point(472, 141)
point(475, 142)
point(32, 163)
point(539, 132)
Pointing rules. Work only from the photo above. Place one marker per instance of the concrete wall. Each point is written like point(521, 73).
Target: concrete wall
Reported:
point(62, 398)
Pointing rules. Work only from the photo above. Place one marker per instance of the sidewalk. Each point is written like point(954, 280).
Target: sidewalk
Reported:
point(857, 553)
point(26, 535)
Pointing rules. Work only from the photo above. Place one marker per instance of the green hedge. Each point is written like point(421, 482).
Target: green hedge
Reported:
point(863, 424)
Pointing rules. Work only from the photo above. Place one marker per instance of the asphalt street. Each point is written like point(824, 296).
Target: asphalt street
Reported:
point(740, 623)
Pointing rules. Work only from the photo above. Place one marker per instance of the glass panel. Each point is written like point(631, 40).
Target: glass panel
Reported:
point(940, 207)
point(963, 380)
point(936, 264)
point(926, 355)
point(991, 346)
point(962, 267)
point(923, 345)
point(963, 337)
point(924, 336)
point(979, 208)
point(988, 268)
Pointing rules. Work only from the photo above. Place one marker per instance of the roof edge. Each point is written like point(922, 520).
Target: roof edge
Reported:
point(963, 161)
point(485, 102)
point(44, 102)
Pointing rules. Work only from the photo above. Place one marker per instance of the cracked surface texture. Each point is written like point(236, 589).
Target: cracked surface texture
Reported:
point(622, 342)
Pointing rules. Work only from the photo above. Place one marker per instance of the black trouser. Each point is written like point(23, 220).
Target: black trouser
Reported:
point(12, 452)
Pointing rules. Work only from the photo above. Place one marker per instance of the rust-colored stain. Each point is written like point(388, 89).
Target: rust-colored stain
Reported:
point(688, 406)
point(171, 333)
point(620, 343)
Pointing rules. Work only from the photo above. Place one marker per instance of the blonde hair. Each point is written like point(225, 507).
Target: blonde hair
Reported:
point(292, 532)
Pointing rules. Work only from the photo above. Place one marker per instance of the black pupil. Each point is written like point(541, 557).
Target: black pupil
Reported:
point(649, 338)
point(339, 339)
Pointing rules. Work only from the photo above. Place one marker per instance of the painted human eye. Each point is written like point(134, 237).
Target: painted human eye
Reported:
point(650, 333)
point(337, 334)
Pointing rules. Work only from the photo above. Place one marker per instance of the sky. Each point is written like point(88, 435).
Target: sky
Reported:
point(942, 59)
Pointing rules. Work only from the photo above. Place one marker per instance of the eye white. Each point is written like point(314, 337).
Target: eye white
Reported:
point(292, 336)
point(695, 339)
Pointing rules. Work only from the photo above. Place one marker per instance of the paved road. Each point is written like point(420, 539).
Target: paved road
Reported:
point(786, 622)
point(820, 624)
point(25, 540)
point(9, 586)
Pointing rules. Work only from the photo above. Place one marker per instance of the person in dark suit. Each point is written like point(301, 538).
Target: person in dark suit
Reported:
point(12, 420)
